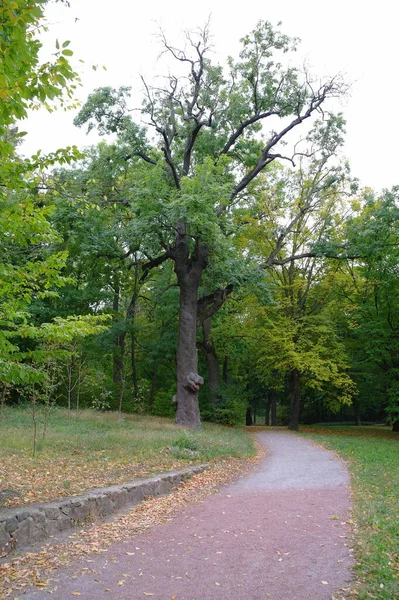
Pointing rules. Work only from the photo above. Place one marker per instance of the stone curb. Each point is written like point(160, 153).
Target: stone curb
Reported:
point(23, 526)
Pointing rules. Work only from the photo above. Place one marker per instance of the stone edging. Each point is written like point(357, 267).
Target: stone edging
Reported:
point(23, 526)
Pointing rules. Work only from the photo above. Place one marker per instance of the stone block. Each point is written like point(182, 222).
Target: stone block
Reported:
point(22, 526)
point(5, 537)
point(11, 524)
point(52, 511)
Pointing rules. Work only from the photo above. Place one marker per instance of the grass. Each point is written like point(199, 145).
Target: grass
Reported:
point(101, 449)
point(372, 455)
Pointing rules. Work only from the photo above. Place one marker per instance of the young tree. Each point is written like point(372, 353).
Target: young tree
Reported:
point(207, 136)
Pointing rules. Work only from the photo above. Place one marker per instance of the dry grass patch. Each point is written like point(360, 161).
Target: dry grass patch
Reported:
point(100, 449)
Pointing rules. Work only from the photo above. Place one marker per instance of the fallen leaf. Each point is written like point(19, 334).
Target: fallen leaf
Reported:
point(324, 582)
point(76, 594)
point(148, 594)
point(130, 553)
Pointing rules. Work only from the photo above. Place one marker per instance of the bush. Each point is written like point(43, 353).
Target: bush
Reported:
point(163, 405)
point(230, 408)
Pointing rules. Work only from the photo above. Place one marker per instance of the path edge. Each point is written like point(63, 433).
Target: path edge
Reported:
point(23, 526)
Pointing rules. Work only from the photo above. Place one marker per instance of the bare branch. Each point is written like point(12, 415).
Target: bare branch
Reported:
point(240, 130)
point(266, 158)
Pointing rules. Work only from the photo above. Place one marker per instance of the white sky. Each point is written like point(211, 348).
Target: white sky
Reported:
point(354, 37)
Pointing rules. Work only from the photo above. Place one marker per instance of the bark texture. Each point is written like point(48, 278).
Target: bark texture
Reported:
point(188, 268)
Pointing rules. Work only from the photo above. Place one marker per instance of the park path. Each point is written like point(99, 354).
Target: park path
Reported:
point(280, 533)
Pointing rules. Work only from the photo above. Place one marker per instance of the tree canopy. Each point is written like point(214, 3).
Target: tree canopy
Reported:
point(216, 237)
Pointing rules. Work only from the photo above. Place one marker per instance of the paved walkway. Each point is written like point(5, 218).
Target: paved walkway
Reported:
point(272, 535)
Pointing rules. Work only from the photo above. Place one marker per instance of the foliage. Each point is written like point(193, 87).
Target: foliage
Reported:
point(28, 267)
point(294, 269)
point(193, 164)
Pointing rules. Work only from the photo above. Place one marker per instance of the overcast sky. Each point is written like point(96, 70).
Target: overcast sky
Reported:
point(353, 37)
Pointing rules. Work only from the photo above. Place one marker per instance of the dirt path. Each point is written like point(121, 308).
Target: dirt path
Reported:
point(277, 534)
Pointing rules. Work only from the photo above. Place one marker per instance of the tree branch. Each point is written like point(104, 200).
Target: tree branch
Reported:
point(210, 304)
point(155, 262)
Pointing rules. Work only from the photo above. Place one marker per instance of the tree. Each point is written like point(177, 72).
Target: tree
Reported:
point(204, 142)
point(28, 268)
point(293, 340)
point(370, 293)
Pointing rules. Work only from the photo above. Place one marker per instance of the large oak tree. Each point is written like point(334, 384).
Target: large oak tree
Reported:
point(205, 136)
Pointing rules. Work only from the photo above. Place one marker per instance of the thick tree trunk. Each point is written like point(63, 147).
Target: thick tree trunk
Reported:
point(211, 360)
point(187, 362)
point(248, 417)
point(395, 426)
point(188, 269)
point(273, 407)
point(295, 400)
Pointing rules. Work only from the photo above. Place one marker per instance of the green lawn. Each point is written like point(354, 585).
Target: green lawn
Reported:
point(372, 454)
point(100, 449)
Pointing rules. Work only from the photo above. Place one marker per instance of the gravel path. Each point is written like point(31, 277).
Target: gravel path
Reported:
point(272, 535)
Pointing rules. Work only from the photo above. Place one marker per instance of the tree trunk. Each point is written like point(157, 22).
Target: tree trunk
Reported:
point(153, 386)
point(187, 361)
point(188, 270)
point(131, 316)
point(248, 417)
point(295, 400)
point(273, 407)
point(395, 426)
point(211, 360)
point(119, 351)
point(118, 358)
point(267, 411)
point(225, 369)
point(358, 420)
point(134, 365)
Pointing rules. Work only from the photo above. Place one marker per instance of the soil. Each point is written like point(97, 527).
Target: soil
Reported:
point(279, 533)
